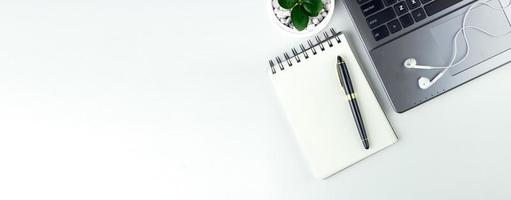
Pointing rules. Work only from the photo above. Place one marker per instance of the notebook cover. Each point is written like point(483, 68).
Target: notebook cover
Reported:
point(319, 114)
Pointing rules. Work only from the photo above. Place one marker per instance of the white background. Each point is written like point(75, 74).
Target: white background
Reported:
point(156, 99)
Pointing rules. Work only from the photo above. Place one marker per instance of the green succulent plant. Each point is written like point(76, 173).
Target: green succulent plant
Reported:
point(301, 10)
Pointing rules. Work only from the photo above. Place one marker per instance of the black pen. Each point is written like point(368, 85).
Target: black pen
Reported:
point(346, 83)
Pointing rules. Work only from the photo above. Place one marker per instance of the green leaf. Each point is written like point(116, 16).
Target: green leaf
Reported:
point(288, 4)
point(299, 17)
point(313, 7)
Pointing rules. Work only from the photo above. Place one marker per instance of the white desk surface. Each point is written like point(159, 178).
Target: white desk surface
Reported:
point(170, 100)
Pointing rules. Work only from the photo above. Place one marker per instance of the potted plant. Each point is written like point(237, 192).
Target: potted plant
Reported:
point(302, 17)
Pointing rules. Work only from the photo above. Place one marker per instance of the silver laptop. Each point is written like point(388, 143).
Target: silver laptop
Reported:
point(395, 30)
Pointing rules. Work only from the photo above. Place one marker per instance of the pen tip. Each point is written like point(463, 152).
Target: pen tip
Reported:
point(366, 144)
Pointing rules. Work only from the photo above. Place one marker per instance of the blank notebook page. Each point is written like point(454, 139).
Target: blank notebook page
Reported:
point(319, 114)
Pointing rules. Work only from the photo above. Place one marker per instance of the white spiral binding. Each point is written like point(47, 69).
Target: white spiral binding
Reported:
point(298, 56)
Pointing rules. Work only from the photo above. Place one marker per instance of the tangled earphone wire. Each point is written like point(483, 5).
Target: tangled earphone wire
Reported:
point(411, 63)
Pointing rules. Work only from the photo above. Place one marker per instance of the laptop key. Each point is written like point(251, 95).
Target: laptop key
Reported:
point(439, 5)
point(380, 33)
point(413, 4)
point(389, 2)
point(419, 14)
point(362, 1)
point(372, 7)
point(394, 26)
point(406, 20)
point(426, 1)
point(401, 8)
point(381, 17)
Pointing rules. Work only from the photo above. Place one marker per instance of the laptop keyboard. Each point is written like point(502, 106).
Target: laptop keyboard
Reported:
point(386, 17)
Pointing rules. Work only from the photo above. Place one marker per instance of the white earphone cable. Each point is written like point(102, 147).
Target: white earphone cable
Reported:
point(425, 83)
point(465, 37)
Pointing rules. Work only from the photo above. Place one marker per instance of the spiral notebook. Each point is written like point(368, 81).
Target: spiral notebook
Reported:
point(310, 93)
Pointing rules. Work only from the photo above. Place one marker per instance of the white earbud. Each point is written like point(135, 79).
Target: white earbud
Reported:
point(424, 83)
point(411, 63)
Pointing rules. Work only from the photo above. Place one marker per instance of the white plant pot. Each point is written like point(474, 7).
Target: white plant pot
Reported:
point(305, 33)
